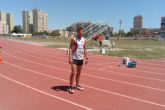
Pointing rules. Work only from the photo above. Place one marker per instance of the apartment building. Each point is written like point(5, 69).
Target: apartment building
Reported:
point(138, 23)
point(162, 28)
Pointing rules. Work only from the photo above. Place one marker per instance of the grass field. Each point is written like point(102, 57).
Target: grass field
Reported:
point(141, 49)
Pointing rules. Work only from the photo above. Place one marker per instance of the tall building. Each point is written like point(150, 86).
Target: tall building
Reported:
point(40, 21)
point(27, 21)
point(1, 32)
point(7, 22)
point(4, 24)
point(35, 21)
point(162, 29)
point(138, 23)
point(10, 21)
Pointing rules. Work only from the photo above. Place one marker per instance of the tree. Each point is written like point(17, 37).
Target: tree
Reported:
point(55, 33)
point(17, 29)
point(41, 33)
point(130, 34)
point(135, 32)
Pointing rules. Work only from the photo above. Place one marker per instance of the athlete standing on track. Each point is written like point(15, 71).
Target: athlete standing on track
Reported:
point(77, 52)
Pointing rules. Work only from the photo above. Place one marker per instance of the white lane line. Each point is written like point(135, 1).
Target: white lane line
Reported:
point(96, 56)
point(107, 67)
point(137, 69)
point(46, 53)
point(98, 89)
point(92, 60)
point(63, 69)
point(45, 93)
point(130, 75)
point(157, 73)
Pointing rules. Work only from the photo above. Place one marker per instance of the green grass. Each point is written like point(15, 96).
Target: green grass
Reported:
point(58, 46)
point(141, 49)
point(154, 54)
point(55, 40)
point(139, 44)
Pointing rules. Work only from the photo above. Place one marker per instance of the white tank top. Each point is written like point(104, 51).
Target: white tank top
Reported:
point(78, 51)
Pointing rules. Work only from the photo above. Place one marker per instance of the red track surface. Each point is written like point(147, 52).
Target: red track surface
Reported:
point(36, 78)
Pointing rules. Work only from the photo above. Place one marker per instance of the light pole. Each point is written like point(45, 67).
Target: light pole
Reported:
point(120, 23)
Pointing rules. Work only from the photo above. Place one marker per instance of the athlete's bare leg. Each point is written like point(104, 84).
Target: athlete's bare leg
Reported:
point(78, 87)
point(73, 70)
point(79, 68)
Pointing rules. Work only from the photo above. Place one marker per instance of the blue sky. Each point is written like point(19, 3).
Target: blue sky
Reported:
point(62, 13)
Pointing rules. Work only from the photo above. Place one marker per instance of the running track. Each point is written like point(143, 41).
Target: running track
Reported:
point(36, 78)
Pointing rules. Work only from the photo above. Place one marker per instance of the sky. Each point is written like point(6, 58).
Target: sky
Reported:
point(62, 13)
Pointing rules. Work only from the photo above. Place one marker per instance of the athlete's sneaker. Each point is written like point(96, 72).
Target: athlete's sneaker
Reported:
point(71, 90)
point(79, 88)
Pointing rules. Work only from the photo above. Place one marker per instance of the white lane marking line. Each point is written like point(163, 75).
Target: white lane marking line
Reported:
point(130, 75)
point(101, 69)
point(61, 53)
point(102, 90)
point(45, 93)
point(91, 75)
point(46, 53)
point(138, 69)
point(105, 65)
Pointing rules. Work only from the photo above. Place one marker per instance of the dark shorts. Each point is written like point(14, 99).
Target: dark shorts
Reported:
point(78, 62)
